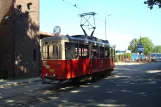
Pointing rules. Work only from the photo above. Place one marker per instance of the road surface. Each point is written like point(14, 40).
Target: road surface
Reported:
point(131, 85)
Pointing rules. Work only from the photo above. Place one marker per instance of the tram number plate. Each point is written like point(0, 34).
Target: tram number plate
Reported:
point(51, 70)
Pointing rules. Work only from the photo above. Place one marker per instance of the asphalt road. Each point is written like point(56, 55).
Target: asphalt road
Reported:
point(131, 85)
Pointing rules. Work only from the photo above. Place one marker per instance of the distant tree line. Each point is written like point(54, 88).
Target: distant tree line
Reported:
point(148, 45)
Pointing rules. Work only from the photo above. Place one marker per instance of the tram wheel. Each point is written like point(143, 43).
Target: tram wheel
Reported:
point(104, 74)
point(75, 81)
point(109, 73)
point(43, 81)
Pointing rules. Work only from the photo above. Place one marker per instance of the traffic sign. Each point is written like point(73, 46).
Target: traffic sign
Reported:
point(56, 30)
point(140, 48)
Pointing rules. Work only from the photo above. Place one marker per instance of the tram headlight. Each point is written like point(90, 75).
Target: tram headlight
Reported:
point(54, 75)
point(46, 74)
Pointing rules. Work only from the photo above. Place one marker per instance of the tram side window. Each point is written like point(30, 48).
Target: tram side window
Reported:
point(102, 52)
point(70, 50)
point(112, 53)
point(76, 51)
point(95, 52)
point(107, 52)
point(83, 51)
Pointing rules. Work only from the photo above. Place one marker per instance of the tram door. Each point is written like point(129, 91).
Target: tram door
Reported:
point(107, 58)
point(102, 57)
point(112, 55)
point(95, 63)
point(83, 61)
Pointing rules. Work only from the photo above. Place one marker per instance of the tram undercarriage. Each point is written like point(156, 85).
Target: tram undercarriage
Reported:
point(77, 80)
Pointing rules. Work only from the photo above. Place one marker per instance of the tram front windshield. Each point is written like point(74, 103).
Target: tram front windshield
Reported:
point(51, 51)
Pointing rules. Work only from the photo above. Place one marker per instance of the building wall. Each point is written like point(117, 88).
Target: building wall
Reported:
point(26, 34)
point(6, 48)
point(19, 43)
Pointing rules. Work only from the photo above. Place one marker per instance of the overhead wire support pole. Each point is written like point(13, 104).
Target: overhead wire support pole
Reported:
point(140, 40)
point(105, 25)
point(84, 16)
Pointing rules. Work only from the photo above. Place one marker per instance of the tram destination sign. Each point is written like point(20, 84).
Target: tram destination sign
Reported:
point(56, 30)
point(140, 48)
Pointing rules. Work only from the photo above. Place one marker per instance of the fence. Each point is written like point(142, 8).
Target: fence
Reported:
point(130, 57)
point(123, 57)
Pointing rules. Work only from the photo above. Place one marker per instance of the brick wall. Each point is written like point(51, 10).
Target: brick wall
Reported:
point(19, 43)
point(26, 34)
point(6, 49)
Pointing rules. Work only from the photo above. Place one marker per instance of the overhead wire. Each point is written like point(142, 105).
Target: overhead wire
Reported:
point(76, 6)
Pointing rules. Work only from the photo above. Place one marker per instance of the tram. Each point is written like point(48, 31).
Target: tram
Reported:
point(69, 57)
point(72, 57)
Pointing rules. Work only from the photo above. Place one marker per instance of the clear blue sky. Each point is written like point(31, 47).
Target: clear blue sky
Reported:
point(130, 19)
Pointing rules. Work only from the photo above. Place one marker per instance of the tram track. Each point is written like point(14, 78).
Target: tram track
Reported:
point(46, 93)
point(36, 96)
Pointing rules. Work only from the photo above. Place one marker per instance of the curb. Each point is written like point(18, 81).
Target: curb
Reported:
point(12, 83)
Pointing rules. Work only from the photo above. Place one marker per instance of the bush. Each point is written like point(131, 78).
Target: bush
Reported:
point(124, 57)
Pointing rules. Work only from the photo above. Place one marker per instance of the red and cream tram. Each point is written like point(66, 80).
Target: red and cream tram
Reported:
point(71, 57)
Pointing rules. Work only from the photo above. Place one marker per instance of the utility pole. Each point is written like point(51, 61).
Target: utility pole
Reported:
point(140, 52)
point(105, 29)
point(105, 25)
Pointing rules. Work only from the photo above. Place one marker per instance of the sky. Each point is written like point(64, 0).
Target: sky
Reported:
point(129, 19)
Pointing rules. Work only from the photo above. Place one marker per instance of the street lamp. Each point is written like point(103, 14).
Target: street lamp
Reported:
point(105, 25)
point(140, 40)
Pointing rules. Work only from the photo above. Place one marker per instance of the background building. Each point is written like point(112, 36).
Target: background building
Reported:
point(19, 37)
point(122, 51)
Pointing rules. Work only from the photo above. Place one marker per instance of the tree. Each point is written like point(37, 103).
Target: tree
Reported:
point(151, 3)
point(146, 42)
point(133, 45)
point(157, 49)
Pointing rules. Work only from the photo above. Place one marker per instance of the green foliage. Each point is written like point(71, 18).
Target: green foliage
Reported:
point(123, 57)
point(129, 55)
point(133, 45)
point(151, 3)
point(146, 42)
point(157, 49)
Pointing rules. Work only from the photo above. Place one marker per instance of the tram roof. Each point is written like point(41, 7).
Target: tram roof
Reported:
point(77, 38)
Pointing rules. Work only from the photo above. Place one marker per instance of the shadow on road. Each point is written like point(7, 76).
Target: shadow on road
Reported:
point(141, 87)
point(129, 86)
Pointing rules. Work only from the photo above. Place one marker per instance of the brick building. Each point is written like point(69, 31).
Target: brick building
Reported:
point(19, 37)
